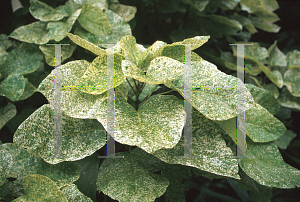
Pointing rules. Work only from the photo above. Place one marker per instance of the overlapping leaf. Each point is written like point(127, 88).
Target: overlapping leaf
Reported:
point(7, 113)
point(161, 70)
point(276, 57)
point(268, 158)
point(95, 77)
point(93, 19)
point(49, 52)
point(72, 193)
point(292, 59)
point(18, 162)
point(119, 29)
point(285, 140)
point(43, 12)
point(135, 172)
point(208, 146)
point(215, 103)
point(292, 81)
point(286, 99)
point(40, 188)
point(80, 137)
point(157, 124)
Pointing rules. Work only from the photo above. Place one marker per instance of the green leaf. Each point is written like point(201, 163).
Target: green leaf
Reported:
point(157, 124)
point(276, 57)
point(139, 183)
point(58, 30)
point(208, 145)
point(35, 32)
point(261, 125)
point(161, 70)
point(214, 103)
point(272, 88)
point(253, 51)
point(95, 77)
point(198, 4)
point(126, 12)
point(292, 81)
point(28, 91)
point(268, 158)
point(129, 46)
point(13, 86)
point(93, 19)
point(49, 52)
point(225, 21)
point(43, 12)
point(263, 25)
point(119, 30)
point(292, 59)
point(23, 60)
point(86, 45)
point(251, 6)
point(275, 76)
point(38, 130)
point(285, 140)
point(72, 193)
point(40, 188)
point(146, 91)
point(7, 113)
point(22, 162)
point(176, 189)
point(264, 98)
point(88, 175)
point(286, 99)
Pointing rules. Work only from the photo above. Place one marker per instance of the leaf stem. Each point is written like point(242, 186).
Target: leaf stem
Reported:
point(130, 84)
point(135, 85)
point(165, 92)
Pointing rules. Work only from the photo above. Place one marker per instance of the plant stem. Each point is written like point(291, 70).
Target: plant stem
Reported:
point(130, 85)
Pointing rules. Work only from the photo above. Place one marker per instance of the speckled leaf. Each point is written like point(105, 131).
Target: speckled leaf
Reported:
point(160, 122)
point(268, 158)
point(119, 29)
point(129, 46)
point(40, 188)
point(7, 113)
point(293, 59)
point(292, 81)
point(139, 183)
point(49, 52)
point(23, 60)
point(93, 19)
point(43, 12)
point(263, 25)
point(215, 104)
point(75, 103)
point(272, 88)
point(86, 45)
point(122, 90)
point(35, 32)
point(286, 99)
point(88, 175)
point(126, 12)
point(208, 144)
point(80, 137)
point(161, 70)
point(23, 163)
point(261, 125)
point(96, 74)
point(13, 86)
point(275, 76)
point(264, 98)
point(28, 91)
point(57, 30)
point(197, 40)
point(72, 193)
point(276, 57)
point(284, 141)
point(253, 51)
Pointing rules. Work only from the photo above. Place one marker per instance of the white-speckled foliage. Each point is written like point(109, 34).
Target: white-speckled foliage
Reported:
point(152, 122)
